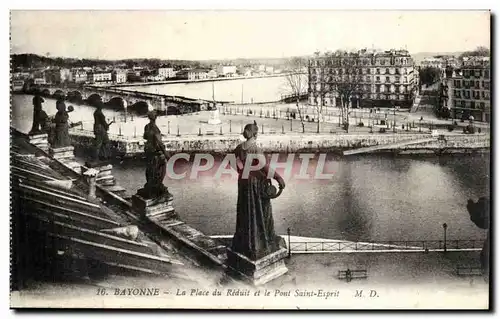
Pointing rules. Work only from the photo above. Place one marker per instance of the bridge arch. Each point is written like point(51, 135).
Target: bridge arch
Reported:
point(117, 103)
point(45, 92)
point(94, 99)
point(59, 94)
point(75, 96)
point(173, 110)
point(141, 107)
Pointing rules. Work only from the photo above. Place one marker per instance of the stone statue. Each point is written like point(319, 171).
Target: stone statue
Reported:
point(41, 121)
point(156, 156)
point(61, 131)
point(255, 236)
point(101, 127)
point(479, 213)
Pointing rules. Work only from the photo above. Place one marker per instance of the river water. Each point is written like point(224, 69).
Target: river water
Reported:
point(239, 91)
point(369, 198)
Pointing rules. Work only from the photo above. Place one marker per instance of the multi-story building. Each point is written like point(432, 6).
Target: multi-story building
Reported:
point(99, 77)
point(377, 79)
point(57, 76)
point(166, 72)
point(468, 91)
point(119, 76)
point(226, 70)
point(78, 76)
point(197, 74)
point(212, 74)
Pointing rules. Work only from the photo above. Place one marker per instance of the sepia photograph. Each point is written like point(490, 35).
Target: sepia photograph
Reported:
point(237, 159)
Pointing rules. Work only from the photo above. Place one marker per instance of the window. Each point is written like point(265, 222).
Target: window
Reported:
point(462, 103)
point(377, 79)
point(382, 61)
point(486, 85)
point(397, 79)
point(481, 105)
point(387, 79)
point(486, 73)
point(367, 78)
point(387, 71)
point(405, 79)
point(472, 105)
point(378, 71)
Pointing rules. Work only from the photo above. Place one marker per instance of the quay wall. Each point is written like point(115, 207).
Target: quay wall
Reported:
point(285, 143)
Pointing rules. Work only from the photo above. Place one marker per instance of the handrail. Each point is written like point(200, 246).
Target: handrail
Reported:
point(407, 245)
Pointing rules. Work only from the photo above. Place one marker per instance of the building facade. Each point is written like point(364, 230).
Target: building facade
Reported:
point(197, 74)
point(469, 90)
point(119, 76)
point(378, 79)
point(226, 70)
point(99, 77)
point(57, 76)
point(78, 76)
point(166, 73)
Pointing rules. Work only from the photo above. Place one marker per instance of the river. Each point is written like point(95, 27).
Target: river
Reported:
point(370, 198)
point(254, 90)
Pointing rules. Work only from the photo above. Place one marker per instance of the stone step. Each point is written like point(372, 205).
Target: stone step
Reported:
point(114, 188)
point(106, 177)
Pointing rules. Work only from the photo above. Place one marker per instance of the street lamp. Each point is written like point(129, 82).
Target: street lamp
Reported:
point(394, 115)
point(289, 243)
point(444, 228)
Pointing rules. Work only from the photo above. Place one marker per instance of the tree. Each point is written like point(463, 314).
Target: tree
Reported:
point(429, 75)
point(479, 51)
point(296, 84)
point(346, 81)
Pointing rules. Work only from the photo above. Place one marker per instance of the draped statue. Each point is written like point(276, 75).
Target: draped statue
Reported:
point(255, 236)
point(61, 131)
point(101, 142)
point(156, 156)
point(41, 121)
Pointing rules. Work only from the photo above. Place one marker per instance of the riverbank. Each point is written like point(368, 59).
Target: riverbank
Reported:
point(197, 81)
point(127, 147)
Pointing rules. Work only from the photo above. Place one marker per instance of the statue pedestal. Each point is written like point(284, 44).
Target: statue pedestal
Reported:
point(214, 118)
point(160, 208)
point(257, 272)
point(62, 152)
point(40, 140)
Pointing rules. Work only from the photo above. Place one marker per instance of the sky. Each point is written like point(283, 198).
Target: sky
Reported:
point(202, 35)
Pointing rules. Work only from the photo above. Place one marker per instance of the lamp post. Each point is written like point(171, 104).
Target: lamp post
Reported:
point(289, 243)
point(394, 119)
point(445, 226)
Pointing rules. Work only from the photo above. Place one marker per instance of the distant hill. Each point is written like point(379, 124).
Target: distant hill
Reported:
point(28, 60)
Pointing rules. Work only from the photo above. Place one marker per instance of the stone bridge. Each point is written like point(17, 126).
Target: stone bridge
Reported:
point(123, 99)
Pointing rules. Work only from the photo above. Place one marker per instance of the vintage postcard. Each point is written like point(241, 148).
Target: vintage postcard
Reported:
point(250, 159)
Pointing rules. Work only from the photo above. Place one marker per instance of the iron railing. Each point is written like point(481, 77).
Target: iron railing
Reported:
point(420, 245)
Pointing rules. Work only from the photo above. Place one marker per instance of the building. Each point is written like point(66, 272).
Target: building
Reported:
point(166, 72)
point(379, 78)
point(197, 74)
point(57, 76)
point(212, 74)
point(226, 70)
point(468, 90)
point(78, 76)
point(269, 69)
point(99, 77)
point(119, 76)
